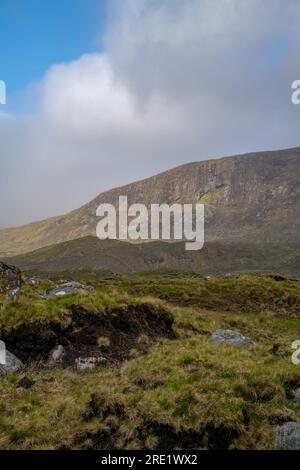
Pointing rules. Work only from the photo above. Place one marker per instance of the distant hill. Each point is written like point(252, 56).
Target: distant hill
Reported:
point(252, 198)
point(89, 253)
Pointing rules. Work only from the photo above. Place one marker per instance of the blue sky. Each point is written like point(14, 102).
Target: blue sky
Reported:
point(34, 34)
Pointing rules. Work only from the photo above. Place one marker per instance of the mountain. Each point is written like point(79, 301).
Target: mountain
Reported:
point(90, 253)
point(251, 198)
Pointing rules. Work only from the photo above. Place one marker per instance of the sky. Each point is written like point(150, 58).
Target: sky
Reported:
point(105, 92)
point(35, 34)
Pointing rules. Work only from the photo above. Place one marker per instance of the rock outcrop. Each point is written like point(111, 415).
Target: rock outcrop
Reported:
point(10, 281)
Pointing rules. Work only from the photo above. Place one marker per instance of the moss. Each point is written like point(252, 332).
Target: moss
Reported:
point(212, 196)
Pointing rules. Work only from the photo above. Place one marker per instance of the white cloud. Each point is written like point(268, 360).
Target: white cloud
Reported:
point(178, 81)
point(85, 100)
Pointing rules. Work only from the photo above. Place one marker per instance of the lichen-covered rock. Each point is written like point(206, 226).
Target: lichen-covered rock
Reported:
point(232, 337)
point(288, 436)
point(10, 282)
point(66, 288)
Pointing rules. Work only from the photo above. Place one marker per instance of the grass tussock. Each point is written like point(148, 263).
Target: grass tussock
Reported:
point(185, 392)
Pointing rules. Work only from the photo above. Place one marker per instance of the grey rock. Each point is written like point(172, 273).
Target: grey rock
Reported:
point(228, 276)
point(33, 281)
point(288, 436)
point(56, 356)
point(12, 364)
point(66, 288)
point(232, 337)
point(10, 281)
point(14, 294)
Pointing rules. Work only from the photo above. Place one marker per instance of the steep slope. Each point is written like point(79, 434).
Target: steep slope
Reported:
point(252, 197)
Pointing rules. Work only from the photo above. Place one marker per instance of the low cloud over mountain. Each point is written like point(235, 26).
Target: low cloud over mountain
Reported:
point(172, 82)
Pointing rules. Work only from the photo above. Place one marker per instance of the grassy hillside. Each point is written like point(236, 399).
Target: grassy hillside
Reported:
point(121, 257)
point(171, 387)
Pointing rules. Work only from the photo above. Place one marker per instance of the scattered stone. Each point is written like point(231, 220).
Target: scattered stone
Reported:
point(33, 281)
point(56, 356)
point(10, 281)
point(13, 295)
point(232, 337)
point(84, 363)
point(66, 288)
point(228, 276)
point(25, 382)
point(12, 364)
point(288, 436)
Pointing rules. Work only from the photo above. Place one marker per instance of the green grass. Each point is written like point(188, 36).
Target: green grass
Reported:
point(186, 385)
point(216, 257)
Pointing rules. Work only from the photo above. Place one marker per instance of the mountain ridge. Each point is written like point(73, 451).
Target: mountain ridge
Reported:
point(253, 196)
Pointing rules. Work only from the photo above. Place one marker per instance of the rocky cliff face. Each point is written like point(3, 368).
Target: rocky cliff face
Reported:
point(252, 197)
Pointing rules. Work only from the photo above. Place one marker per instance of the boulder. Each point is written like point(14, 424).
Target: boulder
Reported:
point(232, 337)
point(11, 364)
point(288, 436)
point(10, 281)
point(66, 288)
